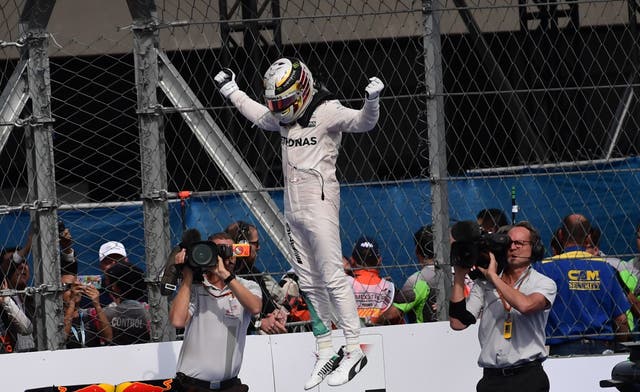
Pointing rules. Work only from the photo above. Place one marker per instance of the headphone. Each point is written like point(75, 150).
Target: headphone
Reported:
point(242, 235)
point(537, 248)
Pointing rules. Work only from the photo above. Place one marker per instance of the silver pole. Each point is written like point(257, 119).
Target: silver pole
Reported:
point(153, 161)
point(42, 186)
point(437, 149)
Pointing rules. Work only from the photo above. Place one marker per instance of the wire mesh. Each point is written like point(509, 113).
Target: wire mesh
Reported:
point(539, 97)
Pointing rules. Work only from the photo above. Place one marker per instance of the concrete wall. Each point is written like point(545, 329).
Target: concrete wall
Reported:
point(401, 358)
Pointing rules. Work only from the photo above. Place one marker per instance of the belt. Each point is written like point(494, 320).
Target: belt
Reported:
point(211, 385)
point(512, 370)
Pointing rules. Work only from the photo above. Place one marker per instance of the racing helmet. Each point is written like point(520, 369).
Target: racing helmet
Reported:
point(288, 89)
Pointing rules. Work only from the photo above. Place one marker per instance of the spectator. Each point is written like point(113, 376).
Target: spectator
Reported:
point(110, 253)
point(629, 274)
point(83, 327)
point(215, 315)
point(514, 306)
point(129, 318)
point(421, 294)
point(19, 333)
point(273, 316)
point(374, 295)
point(593, 247)
point(299, 317)
point(17, 312)
point(632, 266)
point(492, 219)
point(348, 265)
point(591, 304)
point(556, 246)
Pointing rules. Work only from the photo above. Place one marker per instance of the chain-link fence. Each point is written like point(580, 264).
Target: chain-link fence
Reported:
point(110, 112)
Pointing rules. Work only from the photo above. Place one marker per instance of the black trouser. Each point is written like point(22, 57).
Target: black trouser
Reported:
point(529, 377)
point(184, 383)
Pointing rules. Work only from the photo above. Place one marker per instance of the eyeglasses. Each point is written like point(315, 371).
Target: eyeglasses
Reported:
point(520, 244)
point(255, 243)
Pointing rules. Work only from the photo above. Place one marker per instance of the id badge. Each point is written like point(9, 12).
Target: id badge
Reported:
point(508, 328)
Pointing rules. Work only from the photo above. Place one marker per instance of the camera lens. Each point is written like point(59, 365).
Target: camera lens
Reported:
point(202, 255)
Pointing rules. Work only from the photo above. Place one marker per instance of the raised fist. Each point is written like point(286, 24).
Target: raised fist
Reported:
point(226, 82)
point(373, 88)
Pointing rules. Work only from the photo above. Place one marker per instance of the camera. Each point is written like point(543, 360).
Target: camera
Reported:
point(202, 255)
point(472, 246)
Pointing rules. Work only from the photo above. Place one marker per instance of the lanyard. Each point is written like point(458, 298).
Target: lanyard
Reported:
point(507, 331)
point(80, 339)
point(506, 305)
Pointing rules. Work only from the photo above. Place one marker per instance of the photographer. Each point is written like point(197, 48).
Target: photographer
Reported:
point(214, 312)
point(514, 304)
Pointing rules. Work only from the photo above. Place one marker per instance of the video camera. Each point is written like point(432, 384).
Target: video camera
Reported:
point(202, 255)
point(472, 246)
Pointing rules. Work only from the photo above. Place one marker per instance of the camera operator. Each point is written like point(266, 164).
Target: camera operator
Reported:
point(515, 305)
point(214, 314)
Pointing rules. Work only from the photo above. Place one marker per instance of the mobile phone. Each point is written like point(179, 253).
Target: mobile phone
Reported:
point(93, 280)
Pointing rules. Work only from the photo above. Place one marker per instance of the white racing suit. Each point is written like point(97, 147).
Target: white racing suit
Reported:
point(312, 202)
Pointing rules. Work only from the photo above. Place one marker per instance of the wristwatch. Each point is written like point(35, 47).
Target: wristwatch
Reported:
point(229, 279)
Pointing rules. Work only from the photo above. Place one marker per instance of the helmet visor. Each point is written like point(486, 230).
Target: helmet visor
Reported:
point(278, 104)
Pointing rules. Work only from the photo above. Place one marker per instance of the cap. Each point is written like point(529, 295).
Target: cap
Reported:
point(111, 248)
point(366, 251)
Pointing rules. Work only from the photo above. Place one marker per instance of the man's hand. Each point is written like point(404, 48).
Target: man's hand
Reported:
point(92, 293)
point(492, 269)
point(187, 274)
point(226, 82)
point(220, 271)
point(373, 88)
point(272, 324)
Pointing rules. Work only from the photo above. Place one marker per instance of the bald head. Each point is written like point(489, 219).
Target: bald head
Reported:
point(575, 230)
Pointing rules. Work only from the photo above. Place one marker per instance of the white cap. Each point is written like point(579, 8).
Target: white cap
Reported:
point(111, 248)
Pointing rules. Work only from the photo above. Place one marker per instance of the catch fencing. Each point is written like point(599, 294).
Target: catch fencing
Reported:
point(111, 122)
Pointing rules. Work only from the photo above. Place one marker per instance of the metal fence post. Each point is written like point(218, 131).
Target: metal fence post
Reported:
point(41, 173)
point(437, 148)
point(152, 160)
